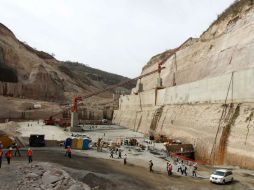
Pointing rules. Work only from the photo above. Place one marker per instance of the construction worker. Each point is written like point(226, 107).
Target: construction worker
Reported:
point(194, 171)
point(119, 153)
point(111, 153)
point(30, 155)
point(125, 159)
point(99, 145)
point(1, 157)
point(179, 168)
point(184, 169)
point(9, 155)
point(169, 168)
point(16, 150)
point(151, 166)
point(68, 151)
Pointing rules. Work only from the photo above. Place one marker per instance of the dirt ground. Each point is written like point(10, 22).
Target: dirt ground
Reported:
point(100, 172)
point(107, 174)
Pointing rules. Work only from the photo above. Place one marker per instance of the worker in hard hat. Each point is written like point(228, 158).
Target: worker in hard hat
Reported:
point(68, 151)
point(169, 168)
point(9, 155)
point(125, 159)
point(17, 150)
point(151, 166)
point(30, 155)
point(1, 157)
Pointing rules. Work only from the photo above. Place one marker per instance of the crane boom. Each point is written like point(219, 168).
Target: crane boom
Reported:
point(77, 100)
point(104, 90)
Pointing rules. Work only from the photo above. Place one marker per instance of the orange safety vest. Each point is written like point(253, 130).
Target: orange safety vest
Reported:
point(29, 153)
point(170, 167)
point(9, 154)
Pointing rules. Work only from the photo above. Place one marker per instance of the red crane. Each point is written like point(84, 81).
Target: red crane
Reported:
point(77, 99)
point(74, 107)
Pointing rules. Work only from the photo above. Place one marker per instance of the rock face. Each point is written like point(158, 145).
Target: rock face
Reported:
point(7, 74)
point(28, 73)
point(207, 97)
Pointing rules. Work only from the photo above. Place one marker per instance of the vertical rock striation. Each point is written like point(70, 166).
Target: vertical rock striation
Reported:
point(207, 96)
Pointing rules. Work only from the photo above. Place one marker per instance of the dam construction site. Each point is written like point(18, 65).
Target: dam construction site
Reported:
point(186, 122)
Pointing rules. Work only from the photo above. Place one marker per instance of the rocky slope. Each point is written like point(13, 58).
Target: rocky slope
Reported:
point(220, 49)
point(40, 175)
point(207, 92)
point(31, 76)
point(29, 73)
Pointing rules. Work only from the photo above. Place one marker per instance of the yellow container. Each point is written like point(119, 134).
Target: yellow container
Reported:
point(7, 141)
point(80, 144)
point(74, 143)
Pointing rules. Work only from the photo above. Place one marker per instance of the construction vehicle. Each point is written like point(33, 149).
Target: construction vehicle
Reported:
point(62, 122)
point(49, 121)
point(37, 140)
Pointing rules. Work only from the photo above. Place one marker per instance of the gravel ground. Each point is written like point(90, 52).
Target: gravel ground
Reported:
point(98, 174)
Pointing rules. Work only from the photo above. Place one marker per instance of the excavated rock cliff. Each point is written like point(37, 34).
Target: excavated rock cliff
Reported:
point(207, 95)
point(28, 73)
point(34, 76)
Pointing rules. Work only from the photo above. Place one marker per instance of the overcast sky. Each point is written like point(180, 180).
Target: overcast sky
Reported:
point(118, 36)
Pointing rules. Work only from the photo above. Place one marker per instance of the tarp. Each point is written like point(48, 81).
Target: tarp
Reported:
point(6, 140)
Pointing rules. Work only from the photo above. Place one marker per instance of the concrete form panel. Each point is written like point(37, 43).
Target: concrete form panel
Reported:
point(148, 98)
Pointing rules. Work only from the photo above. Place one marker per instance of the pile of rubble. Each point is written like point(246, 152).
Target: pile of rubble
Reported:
point(46, 176)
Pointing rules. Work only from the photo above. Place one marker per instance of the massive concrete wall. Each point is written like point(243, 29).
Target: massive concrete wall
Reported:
point(208, 94)
point(196, 113)
point(237, 87)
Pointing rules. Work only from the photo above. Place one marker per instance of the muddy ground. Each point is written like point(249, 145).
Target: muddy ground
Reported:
point(108, 174)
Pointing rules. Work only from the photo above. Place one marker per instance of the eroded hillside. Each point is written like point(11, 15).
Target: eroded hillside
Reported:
point(29, 77)
point(29, 73)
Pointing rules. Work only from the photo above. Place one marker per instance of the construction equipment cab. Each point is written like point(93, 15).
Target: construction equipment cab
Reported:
point(36, 140)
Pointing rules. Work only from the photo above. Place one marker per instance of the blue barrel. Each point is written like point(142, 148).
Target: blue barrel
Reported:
point(86, 143)
point(68, 142)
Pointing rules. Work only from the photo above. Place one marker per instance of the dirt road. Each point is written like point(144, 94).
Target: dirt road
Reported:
point(109, 174)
